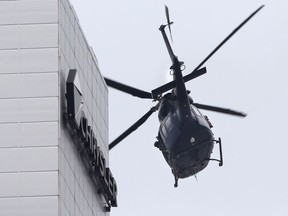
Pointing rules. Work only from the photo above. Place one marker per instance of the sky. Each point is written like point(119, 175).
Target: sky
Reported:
point(249, 73)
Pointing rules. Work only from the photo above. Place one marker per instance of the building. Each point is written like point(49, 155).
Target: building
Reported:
point(42, 171)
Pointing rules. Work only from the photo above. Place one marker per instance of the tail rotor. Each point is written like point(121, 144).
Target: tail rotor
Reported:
point(169, 23)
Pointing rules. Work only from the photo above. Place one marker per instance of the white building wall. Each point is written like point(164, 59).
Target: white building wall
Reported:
point(40, 170)
point(78, 195)
point(29, 114)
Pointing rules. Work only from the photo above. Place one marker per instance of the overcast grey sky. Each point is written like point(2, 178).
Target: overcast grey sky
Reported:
point(249, 74)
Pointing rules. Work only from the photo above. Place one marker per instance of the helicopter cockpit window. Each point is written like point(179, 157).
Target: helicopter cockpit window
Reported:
point(196, 110)
point(166, 127)
point(164, 132)
point(165, 108)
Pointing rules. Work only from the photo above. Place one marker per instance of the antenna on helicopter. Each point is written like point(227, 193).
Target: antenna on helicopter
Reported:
point(195, 175)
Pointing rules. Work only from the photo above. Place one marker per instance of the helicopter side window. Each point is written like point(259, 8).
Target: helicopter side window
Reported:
point(196, 110)
point(203, 120)
point(164, 131)
point(166, 127)
point(165, 108)
point(168, 124)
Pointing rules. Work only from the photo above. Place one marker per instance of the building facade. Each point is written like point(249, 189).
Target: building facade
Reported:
point(41, 168)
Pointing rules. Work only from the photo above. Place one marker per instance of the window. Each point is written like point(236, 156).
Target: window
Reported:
point(196, 110)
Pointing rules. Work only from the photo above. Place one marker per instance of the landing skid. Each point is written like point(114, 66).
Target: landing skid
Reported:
point(220, 152)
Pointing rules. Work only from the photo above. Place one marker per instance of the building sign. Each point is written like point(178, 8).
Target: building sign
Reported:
point(86, 142)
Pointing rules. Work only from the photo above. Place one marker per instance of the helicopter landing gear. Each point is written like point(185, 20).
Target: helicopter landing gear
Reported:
point(220, 151)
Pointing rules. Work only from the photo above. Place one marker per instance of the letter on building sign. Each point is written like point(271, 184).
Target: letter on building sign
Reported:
point(74, 99)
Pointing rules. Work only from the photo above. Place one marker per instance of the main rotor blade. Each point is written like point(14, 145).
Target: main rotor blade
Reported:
point(190, 76)
point(133, 127)
point(128, 89)
point(220, 110)
point(172, 84)
point(228, 37)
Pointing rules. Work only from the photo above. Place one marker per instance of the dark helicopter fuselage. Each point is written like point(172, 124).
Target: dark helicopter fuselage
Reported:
point(184, 137)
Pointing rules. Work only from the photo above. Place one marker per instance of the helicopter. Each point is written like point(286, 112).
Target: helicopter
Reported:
point(185, 137)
